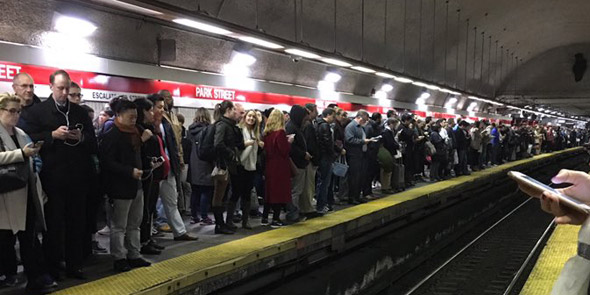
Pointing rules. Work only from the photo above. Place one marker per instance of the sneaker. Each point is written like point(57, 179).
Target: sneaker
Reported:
point(207, 221)
point(165, 228)
point(97, 249)
point(138, 262)
point(154, 231)
point(222, 229)
point(186, 237)
point(194, 220)
point(156, 245)
point(105, 231)
point(264, 221)
point(277, 224)
point(42, 284)
point(9, 281)
point(121, 265)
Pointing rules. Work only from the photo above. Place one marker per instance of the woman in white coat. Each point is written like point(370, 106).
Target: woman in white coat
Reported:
point(21, 210)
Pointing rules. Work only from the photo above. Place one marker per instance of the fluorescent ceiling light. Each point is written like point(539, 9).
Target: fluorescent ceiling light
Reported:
point(385, 75)
point(387, 87)
point(302, 53)
point(243, 59)
point(134, 8)
point(325, 86)
point(202, 26)
point(381, 95)
point(432, 87)
point(260, 42)
point(234, 70)
point(421, 101)
point(420, 84)
point(474, 97)
point(363, 69)
point(336, 62)
point(445, 90)
point(455, 93)
point(403, 80)
point(74, 26)
point(424, 95)
point(332, 77)
point(450, 103)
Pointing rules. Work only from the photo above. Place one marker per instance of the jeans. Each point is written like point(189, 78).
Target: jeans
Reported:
point(201, 198)
point(125, 234)
point(169, 197)
point(325, 194)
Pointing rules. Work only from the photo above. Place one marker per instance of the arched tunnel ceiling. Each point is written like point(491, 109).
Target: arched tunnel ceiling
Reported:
point(433, 40)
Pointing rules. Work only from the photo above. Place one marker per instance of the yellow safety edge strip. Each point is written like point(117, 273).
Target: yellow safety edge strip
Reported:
point(562, 245)
point(177, 273)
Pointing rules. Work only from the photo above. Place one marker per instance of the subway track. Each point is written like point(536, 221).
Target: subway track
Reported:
point(495, 261)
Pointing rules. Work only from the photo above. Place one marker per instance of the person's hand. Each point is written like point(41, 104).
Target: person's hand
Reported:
point(308, 156)
point(367, 140)
point(579, 190)
point(75, 134)
point(60, 133)
point(30, 150)
point(261, 144)
point(343, 152)
point(291, 138)
point(137, 173)
point(156, 164)
point(146, 135)
point(249, 142)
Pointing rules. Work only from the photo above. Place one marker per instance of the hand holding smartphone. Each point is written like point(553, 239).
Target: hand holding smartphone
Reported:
point(534, 188)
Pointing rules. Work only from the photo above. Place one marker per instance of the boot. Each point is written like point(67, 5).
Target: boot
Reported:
point(246, 215)
point(220, 227)
point(229, 217)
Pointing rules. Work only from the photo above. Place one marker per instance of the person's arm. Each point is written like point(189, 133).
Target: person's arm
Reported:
point(34, 128)
point(221, 149)
point(108, 157)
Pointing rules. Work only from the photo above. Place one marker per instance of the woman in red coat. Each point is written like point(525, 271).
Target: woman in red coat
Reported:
point(278, 167)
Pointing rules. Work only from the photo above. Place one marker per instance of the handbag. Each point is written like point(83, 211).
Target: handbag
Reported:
point(340, 168)
point(13, 176)
point(218, 172)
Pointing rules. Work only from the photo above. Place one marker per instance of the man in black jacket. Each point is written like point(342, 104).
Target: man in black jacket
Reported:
point(311, 140)
point(328, 152)
point(24, 87)
point(463, 139)
point(300, 158)
point(355, 141)
point(69, 140)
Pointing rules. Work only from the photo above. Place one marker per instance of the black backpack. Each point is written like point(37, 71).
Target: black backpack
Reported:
point(206, 144)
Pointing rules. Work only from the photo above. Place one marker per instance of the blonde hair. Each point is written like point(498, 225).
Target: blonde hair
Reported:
point(256, 128)
point(275, 121)
point(6, 98)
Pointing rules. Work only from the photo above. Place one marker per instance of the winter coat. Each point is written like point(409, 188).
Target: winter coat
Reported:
point(200, 170)
point(326, 140)
point(278, 169)
point(299, 146)
point(311, 141)
point(13, 205)
point(227, 139)
point(476, 139)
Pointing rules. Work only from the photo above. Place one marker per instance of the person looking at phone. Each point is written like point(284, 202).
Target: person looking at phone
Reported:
point(21, 209)
point(579, 190)
point(356, 141)
point(67, 172)
point(124, 169)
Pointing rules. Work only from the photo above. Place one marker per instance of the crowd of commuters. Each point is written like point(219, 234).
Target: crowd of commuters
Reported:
point(138, 160)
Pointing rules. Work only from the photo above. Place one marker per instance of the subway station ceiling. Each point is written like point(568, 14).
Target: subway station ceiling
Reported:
point(516, 51)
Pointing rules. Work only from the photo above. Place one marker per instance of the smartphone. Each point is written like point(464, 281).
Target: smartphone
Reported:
point(534, 188)
point(39, 144)
point(159, 159)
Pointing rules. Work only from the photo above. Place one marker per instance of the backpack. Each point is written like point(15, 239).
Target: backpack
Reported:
point(205, 143)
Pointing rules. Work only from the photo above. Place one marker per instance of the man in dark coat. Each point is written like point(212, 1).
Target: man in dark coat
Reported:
point(69, 140)
point(463, 140)
point(24, 87)
point(300, 158)
point(328, 151)
point(311, 140)
point(355, 141)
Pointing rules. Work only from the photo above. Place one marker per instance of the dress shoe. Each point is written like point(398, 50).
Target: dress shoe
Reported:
point(354, 202)
point(42, 284)
point(138, 262)
point(150, 250)
point(231, 226)
point(97, 249)
point(76, 274)
point(363, 200)
point(9, 281)
point(185, 237)
point(222, 229)
point(246, 225)
point(156, 245)
point(121, 265)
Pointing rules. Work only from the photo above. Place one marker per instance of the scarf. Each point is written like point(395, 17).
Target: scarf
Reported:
point(133, 133)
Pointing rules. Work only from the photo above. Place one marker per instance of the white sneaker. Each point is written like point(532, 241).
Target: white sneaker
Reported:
point(105, 231)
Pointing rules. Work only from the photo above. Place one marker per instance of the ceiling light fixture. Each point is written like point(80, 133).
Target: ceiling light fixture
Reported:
point(202, 26)
point(336, 62)
point(387, 87)
point(332, 77)
point(403, 80)
point(134, 8)
point(363, 69)
point(419, 84)
point(260, 42)
point(302, 53)
point(74, 26)
point(385, 75)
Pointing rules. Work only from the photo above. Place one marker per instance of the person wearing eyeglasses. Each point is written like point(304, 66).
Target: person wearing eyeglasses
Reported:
point(21, 210)
point(75, 95)
point(24, 88)
point(68, 170)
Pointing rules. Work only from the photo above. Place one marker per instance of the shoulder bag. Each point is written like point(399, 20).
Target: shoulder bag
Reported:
point(13, 176)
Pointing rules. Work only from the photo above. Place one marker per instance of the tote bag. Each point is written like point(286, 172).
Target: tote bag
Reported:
point(340, 167)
